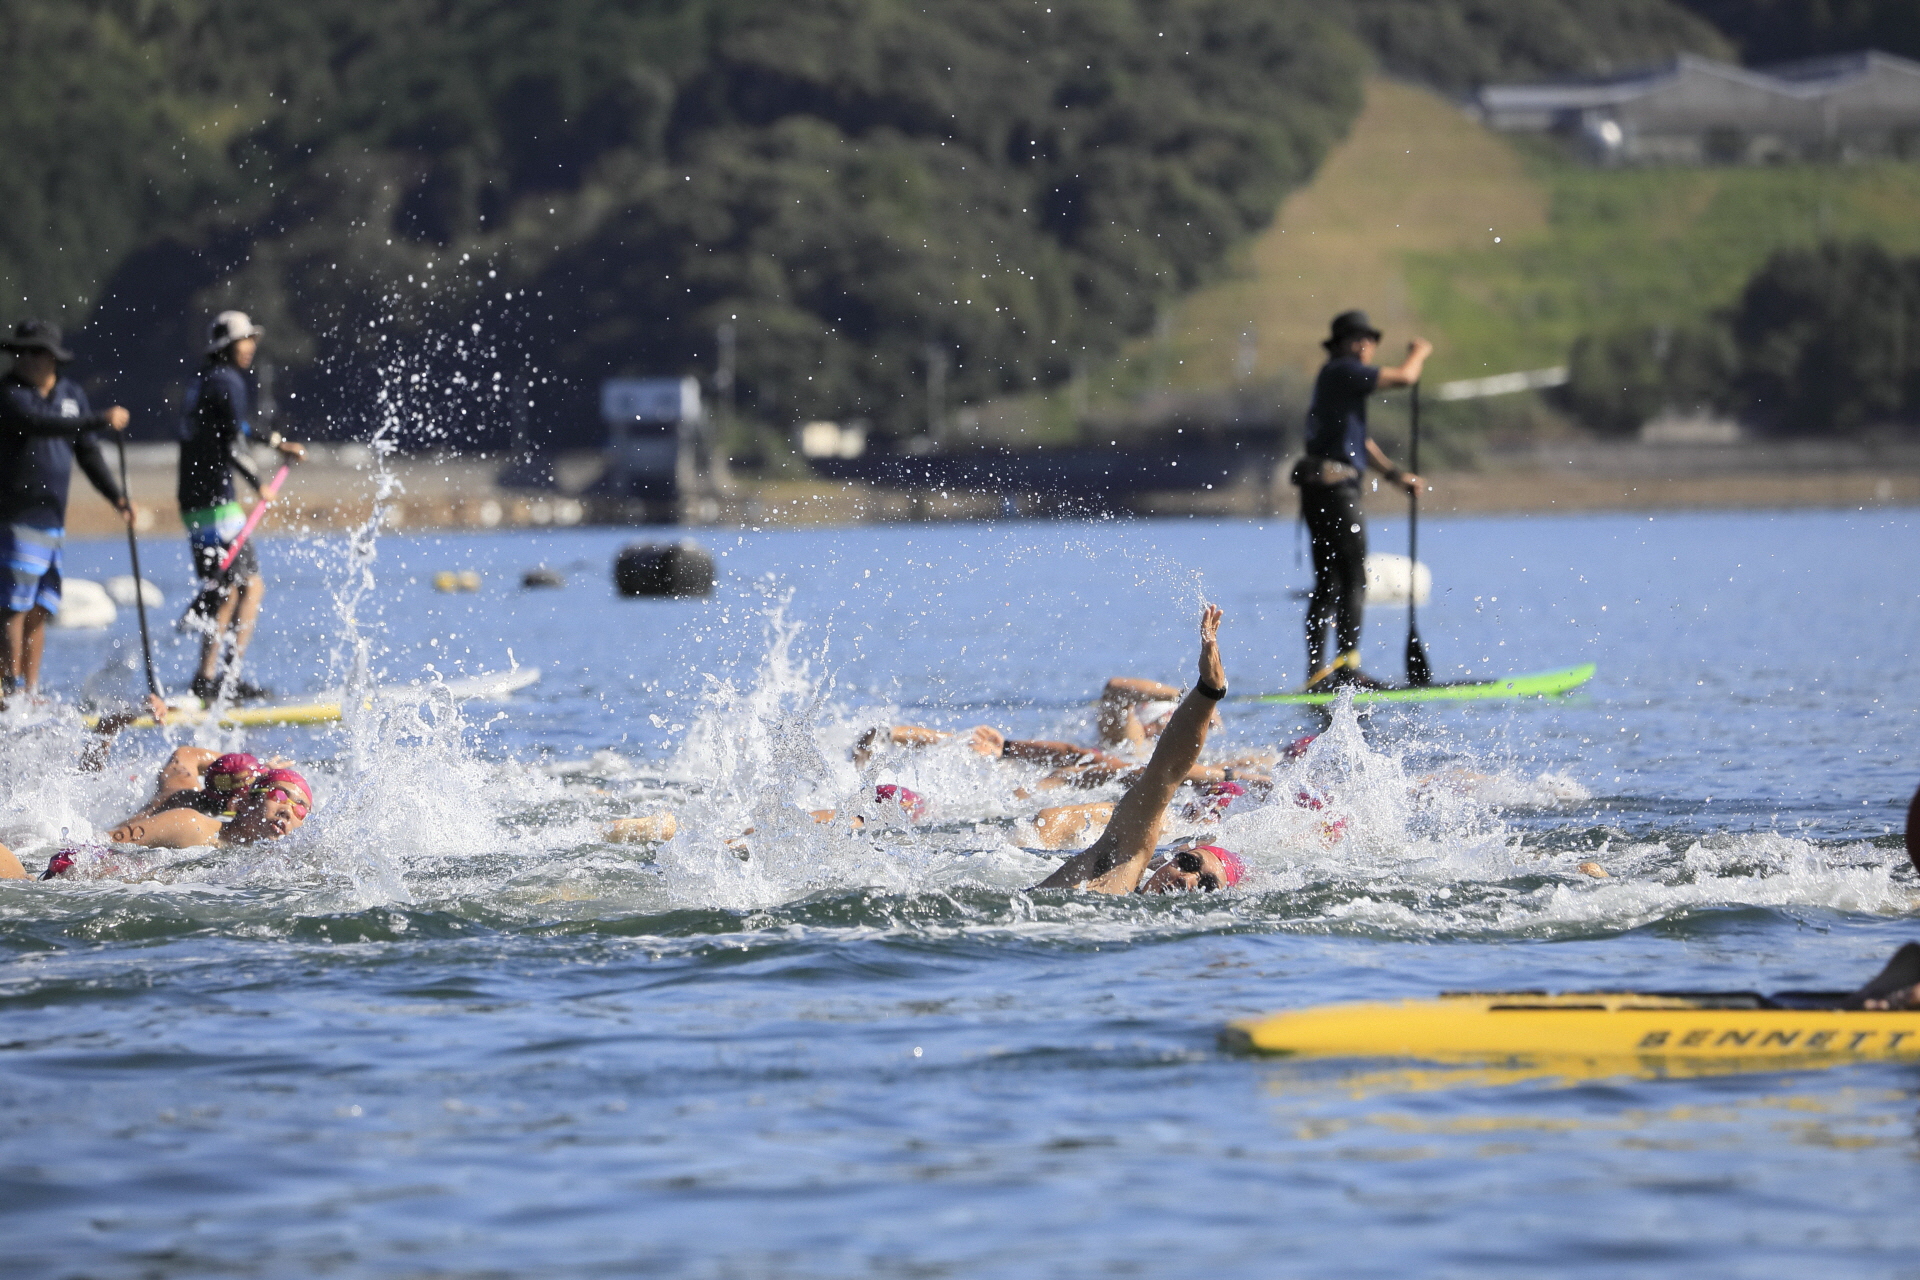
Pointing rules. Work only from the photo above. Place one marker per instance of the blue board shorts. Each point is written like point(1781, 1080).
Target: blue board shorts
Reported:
point(33, 567)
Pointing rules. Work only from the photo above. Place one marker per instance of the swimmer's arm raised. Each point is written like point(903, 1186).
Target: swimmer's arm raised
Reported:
point(10, 868)
point(1114, 862)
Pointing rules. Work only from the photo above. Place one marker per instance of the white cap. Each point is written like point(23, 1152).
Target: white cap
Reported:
point(228, 328)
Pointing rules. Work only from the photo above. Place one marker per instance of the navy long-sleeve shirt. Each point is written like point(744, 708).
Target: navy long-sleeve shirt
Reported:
point(215, 420)
point(1337, 419)
point(41, 437)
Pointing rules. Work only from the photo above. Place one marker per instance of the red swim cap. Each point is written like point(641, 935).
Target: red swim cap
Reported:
point(1230, 864)
point(1298, 747)
point(910, 801)
point(232, 772)
point(282, 780)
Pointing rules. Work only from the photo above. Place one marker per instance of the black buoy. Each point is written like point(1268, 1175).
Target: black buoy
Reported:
point(542, 577)
point(663, 569)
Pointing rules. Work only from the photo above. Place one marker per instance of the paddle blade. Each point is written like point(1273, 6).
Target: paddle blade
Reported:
point(1419, 674)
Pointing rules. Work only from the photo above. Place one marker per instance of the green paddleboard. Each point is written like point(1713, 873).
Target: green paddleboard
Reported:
point(1539, 684)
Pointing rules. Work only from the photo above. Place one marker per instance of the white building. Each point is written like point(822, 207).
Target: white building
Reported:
point(1697, 110)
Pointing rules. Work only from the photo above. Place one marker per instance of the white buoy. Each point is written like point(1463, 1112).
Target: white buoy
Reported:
point(84, 604)
point(121, 586)
point(1391, 579)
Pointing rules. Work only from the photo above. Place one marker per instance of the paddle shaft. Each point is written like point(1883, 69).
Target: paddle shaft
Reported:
point(139, 583)
point(267, 495)
point(1419, 672)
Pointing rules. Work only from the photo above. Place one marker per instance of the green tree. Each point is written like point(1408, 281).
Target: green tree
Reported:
point(1830, 340)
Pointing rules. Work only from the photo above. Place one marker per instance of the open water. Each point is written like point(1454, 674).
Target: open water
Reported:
point(448, 1030)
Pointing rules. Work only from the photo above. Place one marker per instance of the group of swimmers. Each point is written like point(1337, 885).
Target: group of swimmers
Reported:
point(1126, 856)
point(202, 798)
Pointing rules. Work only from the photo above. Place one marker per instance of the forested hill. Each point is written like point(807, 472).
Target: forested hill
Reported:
point(429, 193)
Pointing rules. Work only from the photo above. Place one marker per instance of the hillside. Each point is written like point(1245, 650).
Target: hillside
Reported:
point(1402, 221)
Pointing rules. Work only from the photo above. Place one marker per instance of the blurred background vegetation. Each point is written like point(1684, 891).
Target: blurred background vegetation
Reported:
point(1069, 205)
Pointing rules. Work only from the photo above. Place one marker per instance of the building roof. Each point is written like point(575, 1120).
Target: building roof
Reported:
point(1804, 81)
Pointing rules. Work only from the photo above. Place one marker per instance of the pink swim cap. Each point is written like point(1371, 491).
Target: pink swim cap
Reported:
point(1230, 864)
point(282, 780)
point(910, 801)
point(232, 772)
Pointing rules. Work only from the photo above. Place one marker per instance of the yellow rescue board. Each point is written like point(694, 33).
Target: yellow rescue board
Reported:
point(1485, 1027)
point(189, 712)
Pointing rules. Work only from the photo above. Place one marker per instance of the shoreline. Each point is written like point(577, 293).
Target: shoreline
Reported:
point(462, 494)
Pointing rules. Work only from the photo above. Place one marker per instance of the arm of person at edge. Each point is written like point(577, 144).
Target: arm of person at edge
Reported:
point(1114, 862)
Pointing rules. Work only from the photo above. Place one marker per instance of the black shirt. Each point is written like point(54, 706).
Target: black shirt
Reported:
point(41, 437)
point(1337, 421)
point(215, 420)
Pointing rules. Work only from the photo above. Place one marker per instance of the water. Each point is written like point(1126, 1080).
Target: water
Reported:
point(446, 1029)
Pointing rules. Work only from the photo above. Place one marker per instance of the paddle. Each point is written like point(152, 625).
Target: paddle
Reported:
point(1418, 672)
point(139, 583)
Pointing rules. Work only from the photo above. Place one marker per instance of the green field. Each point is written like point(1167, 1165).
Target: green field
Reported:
point(1647, 246)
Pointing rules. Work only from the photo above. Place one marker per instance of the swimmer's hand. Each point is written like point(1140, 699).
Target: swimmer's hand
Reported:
point(1212, 673)
point(157, 708)
point(1904, 998)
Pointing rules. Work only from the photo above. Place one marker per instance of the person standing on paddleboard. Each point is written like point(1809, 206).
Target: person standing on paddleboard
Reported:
point(46, 425)
point(215, 421)
point(1338, 452)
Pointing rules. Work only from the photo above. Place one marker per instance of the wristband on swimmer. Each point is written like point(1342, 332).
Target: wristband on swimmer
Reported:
point(1208, 691)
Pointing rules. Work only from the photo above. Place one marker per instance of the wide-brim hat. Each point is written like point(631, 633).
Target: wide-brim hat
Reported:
point(37, 335)
point(1350, 324)
point(228, 328)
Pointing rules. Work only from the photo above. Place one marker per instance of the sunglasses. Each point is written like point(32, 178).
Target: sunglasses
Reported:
point(298, 801)
point(1192, 863)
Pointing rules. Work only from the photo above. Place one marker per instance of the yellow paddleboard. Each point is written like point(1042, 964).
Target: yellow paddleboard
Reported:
point(189, 712)
point(1483, 1027)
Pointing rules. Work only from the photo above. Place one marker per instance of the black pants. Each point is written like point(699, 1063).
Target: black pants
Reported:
point(1339, 537)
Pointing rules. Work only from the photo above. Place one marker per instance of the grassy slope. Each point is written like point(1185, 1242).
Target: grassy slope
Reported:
point(1401, 221)
point(1415, 178)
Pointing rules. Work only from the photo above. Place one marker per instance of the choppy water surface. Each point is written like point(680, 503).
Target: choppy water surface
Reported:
point(448, 1029)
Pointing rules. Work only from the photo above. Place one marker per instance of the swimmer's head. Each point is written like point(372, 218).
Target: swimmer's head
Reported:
point(232, 774)
point(274, 804)
point(1202, 867)
point(1298, 747)
point(911, 801)
point(1212, 801)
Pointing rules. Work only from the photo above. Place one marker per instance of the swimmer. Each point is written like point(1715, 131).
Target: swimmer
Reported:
point(1061, 825)
point(1898, 985)
point(658, 828)
point(1122, 704)
point(204, 780)
point(1124, 853)
point(982, 739)
point(275, 804)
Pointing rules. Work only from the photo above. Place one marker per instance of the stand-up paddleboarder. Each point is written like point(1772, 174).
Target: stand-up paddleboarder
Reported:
point(46, 426)
point(218, 406)
point(1338, 452)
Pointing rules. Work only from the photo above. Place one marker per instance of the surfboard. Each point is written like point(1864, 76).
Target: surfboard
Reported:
point(324, 708)
point(1539, 684)
point(1725, 1027)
